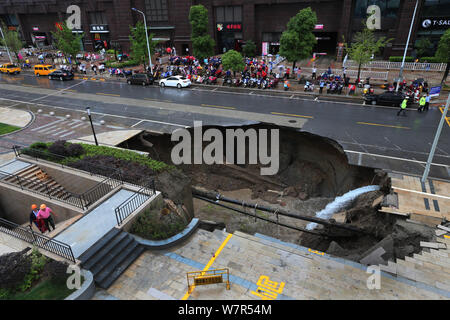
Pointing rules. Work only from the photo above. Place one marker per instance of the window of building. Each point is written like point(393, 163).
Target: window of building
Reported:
point(436, 8)
point(98, 17)
point(228, 14)
point(271, 36)
point(157, 10)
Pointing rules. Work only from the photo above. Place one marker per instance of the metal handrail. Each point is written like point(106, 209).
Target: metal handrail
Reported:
point(101, 189)
point(127, 207)
point(22, 182)
point(18, 150)
point(41, 241)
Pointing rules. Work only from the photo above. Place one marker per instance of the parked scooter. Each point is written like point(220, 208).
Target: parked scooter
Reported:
point(227, 81)
point(246, 82)
point(309, 86)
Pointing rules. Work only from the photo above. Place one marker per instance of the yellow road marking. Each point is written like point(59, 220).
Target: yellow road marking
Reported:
point(447, 119)
point(102, 79)
point(382, 125)
point(28, 85)
point(292, 115)
point(108, 94)
point(446, 236)
point(93, 79)
point(213, 106)
point(186, 296)
point(151, 99)
point(85, 78)
point(71, 90)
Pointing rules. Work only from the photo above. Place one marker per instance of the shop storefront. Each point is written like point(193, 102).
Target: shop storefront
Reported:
point(100, 36)
point(229, 36)
point(434, 21)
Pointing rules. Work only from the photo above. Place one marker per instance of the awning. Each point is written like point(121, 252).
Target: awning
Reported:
point(160, 39)
point(162, 28)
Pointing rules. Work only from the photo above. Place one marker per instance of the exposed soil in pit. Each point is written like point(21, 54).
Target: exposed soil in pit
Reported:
point(312, 171)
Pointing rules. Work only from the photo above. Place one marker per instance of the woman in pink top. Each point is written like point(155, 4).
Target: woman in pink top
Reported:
point(46, 214)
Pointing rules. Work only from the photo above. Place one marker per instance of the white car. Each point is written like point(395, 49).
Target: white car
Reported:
point(175, 81)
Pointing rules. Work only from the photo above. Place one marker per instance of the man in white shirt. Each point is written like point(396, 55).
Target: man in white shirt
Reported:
point(427, 102)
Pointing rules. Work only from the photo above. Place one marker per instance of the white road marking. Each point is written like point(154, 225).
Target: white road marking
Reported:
point(77, 125)
point(59, 132)
point(50, 129)
point(395, 158)
point(136, 123)
point(67, 134)
point(46, 125)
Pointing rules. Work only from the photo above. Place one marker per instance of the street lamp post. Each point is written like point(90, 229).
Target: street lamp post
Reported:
point(435, 142)
point(146, 36)
point(7, 49)
point(92, 125)
point(400, 74)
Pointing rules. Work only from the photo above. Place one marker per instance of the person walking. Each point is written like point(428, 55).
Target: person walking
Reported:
point(321, 85)
point(422, 102)
point(427, 102)
point(46, 214)
point(403, 107)
point(33, 216)
point(314, 72)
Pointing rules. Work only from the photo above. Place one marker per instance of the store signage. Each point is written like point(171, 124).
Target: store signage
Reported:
point(435, 91)
point(39, 37)
point(35, 28)
point(435, 23)
point(12, 28)
point(318, 27)
point(229, 26)
point(265, 48)
point(102, 28)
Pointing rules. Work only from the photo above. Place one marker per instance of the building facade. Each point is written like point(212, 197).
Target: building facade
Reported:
point(106, 23)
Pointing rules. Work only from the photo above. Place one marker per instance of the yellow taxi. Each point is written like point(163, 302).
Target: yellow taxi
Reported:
point(43, 69)
point(10, 68)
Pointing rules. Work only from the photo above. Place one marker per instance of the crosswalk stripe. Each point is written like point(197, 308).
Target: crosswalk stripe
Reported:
point(77, 125)
point(49, 129)
point(59, 132)
point(46, 125)
point(67, 134)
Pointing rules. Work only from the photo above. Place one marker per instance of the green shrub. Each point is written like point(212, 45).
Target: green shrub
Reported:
point(127, 63)
point(149, 226)
point(14, 267)
point(400, 59)
point(110, 51)
point(38, 261)
point(430, 60)
point(40, 145)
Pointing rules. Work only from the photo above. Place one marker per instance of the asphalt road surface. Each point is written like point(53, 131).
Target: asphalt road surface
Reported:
point(371, 135)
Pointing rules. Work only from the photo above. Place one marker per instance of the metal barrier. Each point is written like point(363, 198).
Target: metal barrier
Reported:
point(101, 189)
point(375, 75)
point(39, 240)
point(50, 192)
point(388, 65)
point(127, 207)
point(200, 278)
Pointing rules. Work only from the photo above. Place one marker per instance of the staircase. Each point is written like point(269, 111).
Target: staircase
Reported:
point(110, 256)
point(431, 266)
point(35, 179)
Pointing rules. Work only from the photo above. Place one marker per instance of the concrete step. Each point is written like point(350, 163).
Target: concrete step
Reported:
point(442, 261)
point(98, 245)
point(98, 267)
point(122, 267)
point(104, 250)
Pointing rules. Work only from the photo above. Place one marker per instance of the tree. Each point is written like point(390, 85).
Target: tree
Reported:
point(249, 49)
point(443, 52)
point(139, 50)
point(202, 43)
point(233, 60)
point(67, 41)
point(364, 45)
point(12, 41)
point(298, 41)
point(423, 46)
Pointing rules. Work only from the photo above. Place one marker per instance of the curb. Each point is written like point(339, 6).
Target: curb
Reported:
point(87, 290)
point(170, 242)
point(33, 117)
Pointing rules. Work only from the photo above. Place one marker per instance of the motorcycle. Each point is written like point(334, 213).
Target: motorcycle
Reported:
point(211, 80)
point(265, 84)
point(227, 81)
point(237, 82)
point(259, 83)
point(246, 82)
point(308, 86)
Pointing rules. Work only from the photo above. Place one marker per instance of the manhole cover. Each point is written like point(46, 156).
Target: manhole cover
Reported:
point(292, 121)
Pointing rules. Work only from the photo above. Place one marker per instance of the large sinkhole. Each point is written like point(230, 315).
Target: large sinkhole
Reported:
point(312, 172)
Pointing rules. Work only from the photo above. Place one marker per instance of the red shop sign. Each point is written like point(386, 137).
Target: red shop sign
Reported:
point(233, 26)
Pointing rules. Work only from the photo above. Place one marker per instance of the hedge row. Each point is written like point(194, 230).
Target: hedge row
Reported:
point(127, 63)
point(71, 153)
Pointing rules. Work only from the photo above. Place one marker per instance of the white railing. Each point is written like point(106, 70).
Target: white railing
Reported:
point(375, 75)
point(388, 65)
point(278, 60)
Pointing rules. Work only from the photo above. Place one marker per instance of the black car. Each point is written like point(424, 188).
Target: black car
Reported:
point(388, 98)
point(141, 79)
point(61, 75)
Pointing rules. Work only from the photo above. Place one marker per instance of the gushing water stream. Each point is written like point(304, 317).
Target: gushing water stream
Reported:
point(340, 203)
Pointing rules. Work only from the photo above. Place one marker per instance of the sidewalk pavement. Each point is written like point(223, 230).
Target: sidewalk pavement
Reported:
point(14, 117)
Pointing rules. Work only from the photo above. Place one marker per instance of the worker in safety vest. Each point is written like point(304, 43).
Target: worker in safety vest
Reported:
point(403, 107)
point(422, 103)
